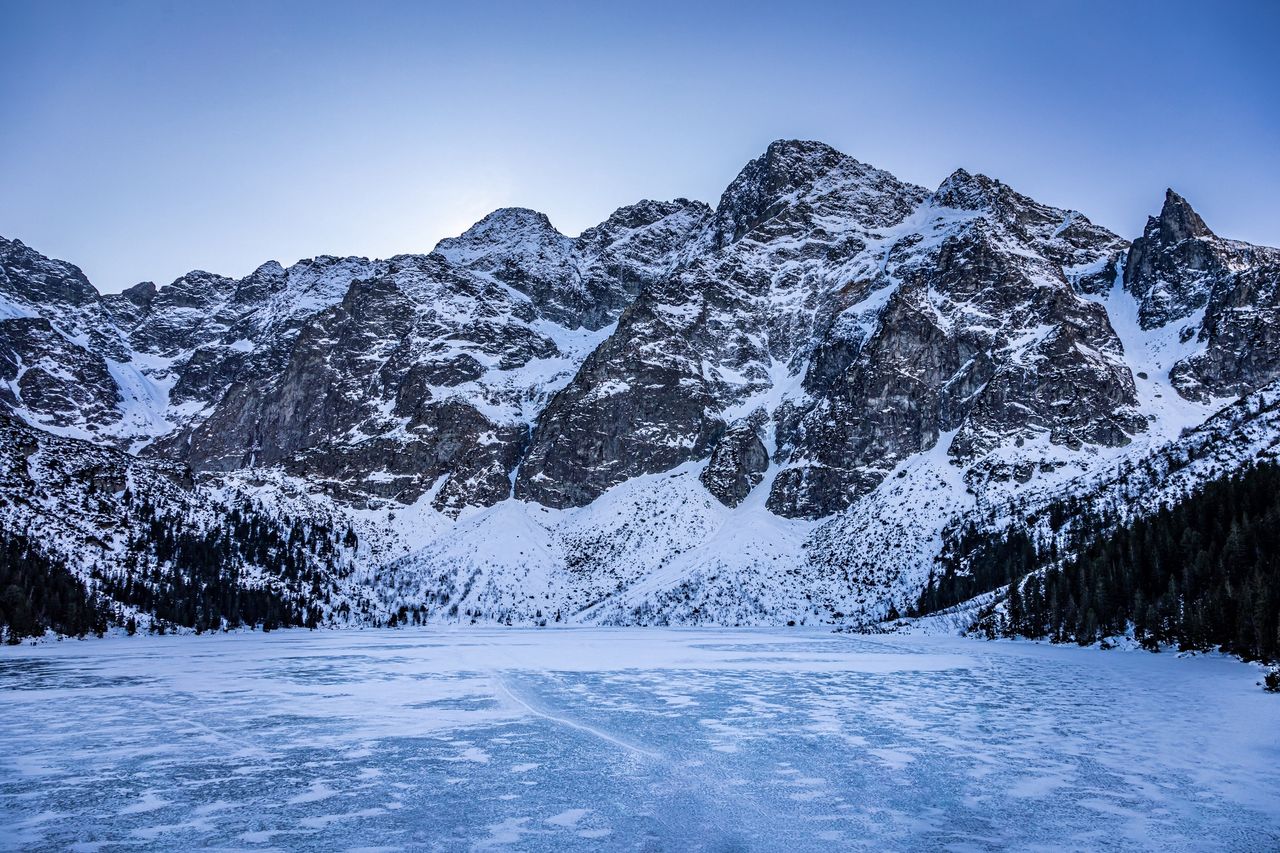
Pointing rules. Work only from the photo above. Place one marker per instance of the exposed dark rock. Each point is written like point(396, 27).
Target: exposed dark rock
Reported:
point(829, 341)
point(1172, 266)
point(978, 336)
point(737, 465)
point(741, 312)
point(585, 282)
point(51, 381)
point(625, 414)
point(29, 276)
point(1240, 333)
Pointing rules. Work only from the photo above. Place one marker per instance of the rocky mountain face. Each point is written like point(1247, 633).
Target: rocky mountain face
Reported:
point(981, 333)
point(766, 410)
point(1225, 292)
point(427, 369)
point(58, 347)
point(726, 337)
point(849, 319)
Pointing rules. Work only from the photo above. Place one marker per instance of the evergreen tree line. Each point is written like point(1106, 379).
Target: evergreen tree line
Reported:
point(977, 561)
point(1202, 574)
point(197, 579)
point(250, 570)
point(38, 594)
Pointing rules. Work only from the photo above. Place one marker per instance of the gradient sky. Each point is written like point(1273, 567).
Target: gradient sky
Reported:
point(140, 140)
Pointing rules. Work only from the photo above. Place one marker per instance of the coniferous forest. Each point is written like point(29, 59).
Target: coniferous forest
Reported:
point(38, 593)
point(1202, 574)
point(250, 570)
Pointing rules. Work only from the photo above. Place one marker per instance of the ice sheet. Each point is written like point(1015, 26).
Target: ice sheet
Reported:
point(629, 739)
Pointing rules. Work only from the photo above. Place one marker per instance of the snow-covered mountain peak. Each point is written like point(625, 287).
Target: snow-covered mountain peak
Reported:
point(794, 171)
point(272, 270)
point(626, 222)
point(964, 190)
point(507, 227)
point(581, 283)
point(29, 278)
point(1179, 265)
point(521, 249)
point(269, 269)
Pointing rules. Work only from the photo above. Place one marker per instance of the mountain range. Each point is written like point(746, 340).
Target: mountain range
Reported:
point(779, 409)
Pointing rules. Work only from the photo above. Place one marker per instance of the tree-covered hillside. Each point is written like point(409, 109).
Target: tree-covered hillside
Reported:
point(1202, 574)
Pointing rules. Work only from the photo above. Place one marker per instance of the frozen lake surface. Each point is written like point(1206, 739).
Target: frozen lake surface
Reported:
point(631, 739)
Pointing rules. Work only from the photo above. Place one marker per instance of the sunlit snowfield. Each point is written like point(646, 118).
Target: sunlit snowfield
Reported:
point(629, 739)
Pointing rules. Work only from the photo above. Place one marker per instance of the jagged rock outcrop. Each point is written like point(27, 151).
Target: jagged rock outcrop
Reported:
point(583, 282)
point(30, 277)
point(203, 333)
point(969, 321)
point(1240, 334)
point(852, 318)
point(862, 318)
point(378, 395)
point(737, 465)
point(1172, 266)
point(1227, 294)
point(59, 348)
point(53, 383)
point(423, 369)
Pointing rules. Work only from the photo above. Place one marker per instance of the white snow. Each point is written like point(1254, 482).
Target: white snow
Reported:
point(1151, 354)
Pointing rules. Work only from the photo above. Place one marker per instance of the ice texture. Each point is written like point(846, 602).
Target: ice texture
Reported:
point(631, 739)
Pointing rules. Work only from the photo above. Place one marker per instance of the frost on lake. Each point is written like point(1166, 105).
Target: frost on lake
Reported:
point(629, 739)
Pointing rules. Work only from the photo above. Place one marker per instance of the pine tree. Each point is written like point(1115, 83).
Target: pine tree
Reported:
point(1013, 624)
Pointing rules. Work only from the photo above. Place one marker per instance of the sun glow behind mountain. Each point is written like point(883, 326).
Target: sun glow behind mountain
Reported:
point(144, 139)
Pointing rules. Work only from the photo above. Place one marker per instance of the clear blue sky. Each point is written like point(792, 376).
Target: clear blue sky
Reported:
point(143, 139)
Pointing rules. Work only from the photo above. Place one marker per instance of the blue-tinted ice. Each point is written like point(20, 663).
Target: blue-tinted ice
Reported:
point(629, 739)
